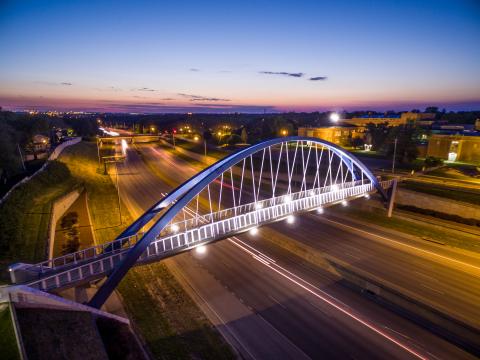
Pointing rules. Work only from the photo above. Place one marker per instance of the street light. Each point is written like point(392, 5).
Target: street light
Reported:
point(196, 138)
point(334, 117)
point(394, 155)
point(284, 132)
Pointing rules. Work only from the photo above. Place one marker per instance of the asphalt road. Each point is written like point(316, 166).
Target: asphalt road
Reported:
point(278, 306)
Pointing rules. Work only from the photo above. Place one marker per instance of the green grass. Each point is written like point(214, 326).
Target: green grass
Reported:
point(8, 341)
point(378, 217)
point(170, 322)
point(25, 215)
point(470, 197)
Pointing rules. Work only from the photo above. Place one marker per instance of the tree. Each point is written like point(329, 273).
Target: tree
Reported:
point(377, 134)
point(243, 135)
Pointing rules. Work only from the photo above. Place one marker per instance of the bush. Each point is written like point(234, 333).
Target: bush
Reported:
point(432, 161)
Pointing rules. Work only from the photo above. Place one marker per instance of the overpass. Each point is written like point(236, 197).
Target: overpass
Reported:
point(131, 139)
point(267, 182)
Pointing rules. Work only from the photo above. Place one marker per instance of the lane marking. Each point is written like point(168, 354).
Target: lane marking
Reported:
point(333, 304)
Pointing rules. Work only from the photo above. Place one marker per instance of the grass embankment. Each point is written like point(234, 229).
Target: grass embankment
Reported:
point(8, 342)
point(25, 215)
point(471, 197)
point(428, 232)
point(170, 323)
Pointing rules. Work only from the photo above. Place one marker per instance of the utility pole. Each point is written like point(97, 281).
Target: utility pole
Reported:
point(173, 137)
point(98, 151)
point(394, 155)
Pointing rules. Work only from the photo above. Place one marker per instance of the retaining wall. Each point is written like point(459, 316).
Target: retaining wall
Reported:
point(437, 203)
point(59, 207)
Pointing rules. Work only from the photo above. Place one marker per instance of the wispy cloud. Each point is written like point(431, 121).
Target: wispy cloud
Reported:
point(51, 83)
point(144, 89)
point(194, 69)
point(282, 73)
point(317, 78)
point(201, 98)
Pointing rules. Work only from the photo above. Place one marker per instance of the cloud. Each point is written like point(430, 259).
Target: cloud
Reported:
point(194, 70)
point(51, 83)
point(317, 78)
point(144, 89)
point(283, 73)
point(201, 98)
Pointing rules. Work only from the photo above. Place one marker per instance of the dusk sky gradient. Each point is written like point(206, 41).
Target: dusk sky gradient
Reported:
point(221, 56)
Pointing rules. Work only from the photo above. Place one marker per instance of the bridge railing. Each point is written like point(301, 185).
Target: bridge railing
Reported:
point(121, 244)
point(204, 233)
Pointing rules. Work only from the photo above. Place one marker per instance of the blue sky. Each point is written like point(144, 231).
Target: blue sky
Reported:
point(157, 56)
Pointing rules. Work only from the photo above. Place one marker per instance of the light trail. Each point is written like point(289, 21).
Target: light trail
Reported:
point(330, 302)
point(320, 294)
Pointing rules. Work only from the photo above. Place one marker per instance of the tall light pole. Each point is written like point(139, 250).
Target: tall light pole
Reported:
point(173, 138)
point(118, 194)
point(394, 155)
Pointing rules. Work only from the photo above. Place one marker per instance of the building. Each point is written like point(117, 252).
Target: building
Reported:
point(340, 135)
point(455, 148)
point(391, 119)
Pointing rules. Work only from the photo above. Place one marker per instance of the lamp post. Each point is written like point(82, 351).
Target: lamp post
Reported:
point(173, 138)
point(394, 155)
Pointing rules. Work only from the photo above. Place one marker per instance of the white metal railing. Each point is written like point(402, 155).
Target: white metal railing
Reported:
point(253, 214)
point(121, 244)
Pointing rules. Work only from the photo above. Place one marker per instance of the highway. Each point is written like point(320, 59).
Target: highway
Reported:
point(269, 303)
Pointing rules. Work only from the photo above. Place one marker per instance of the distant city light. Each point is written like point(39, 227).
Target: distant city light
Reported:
point(320, 210)
point(334, 117)
point(344, 202)
point(334, 188)
point(368, 147)
point(284, 132)
point(258, 205)
point(290, 219)
point(196, 138)
point(287, 199)
point(367, 196)
point(253, 231)
point(174, 228)
point(202, 249)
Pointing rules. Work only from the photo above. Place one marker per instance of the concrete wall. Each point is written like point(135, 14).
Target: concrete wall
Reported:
point(436, 203)
point(59, 207)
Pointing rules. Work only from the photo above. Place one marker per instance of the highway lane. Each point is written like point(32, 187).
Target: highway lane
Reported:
point(446, 278)
point(256, 299)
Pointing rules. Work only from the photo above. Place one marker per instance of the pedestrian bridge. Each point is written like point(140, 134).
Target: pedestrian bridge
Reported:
point(264, 183)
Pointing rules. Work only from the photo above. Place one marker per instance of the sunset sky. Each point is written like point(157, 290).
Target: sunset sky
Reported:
point(249, 56)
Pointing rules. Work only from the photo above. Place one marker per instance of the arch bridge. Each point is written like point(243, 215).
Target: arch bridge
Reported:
point(266, 182)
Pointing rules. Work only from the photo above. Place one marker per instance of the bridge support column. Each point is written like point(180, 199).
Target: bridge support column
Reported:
point(391, 197)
